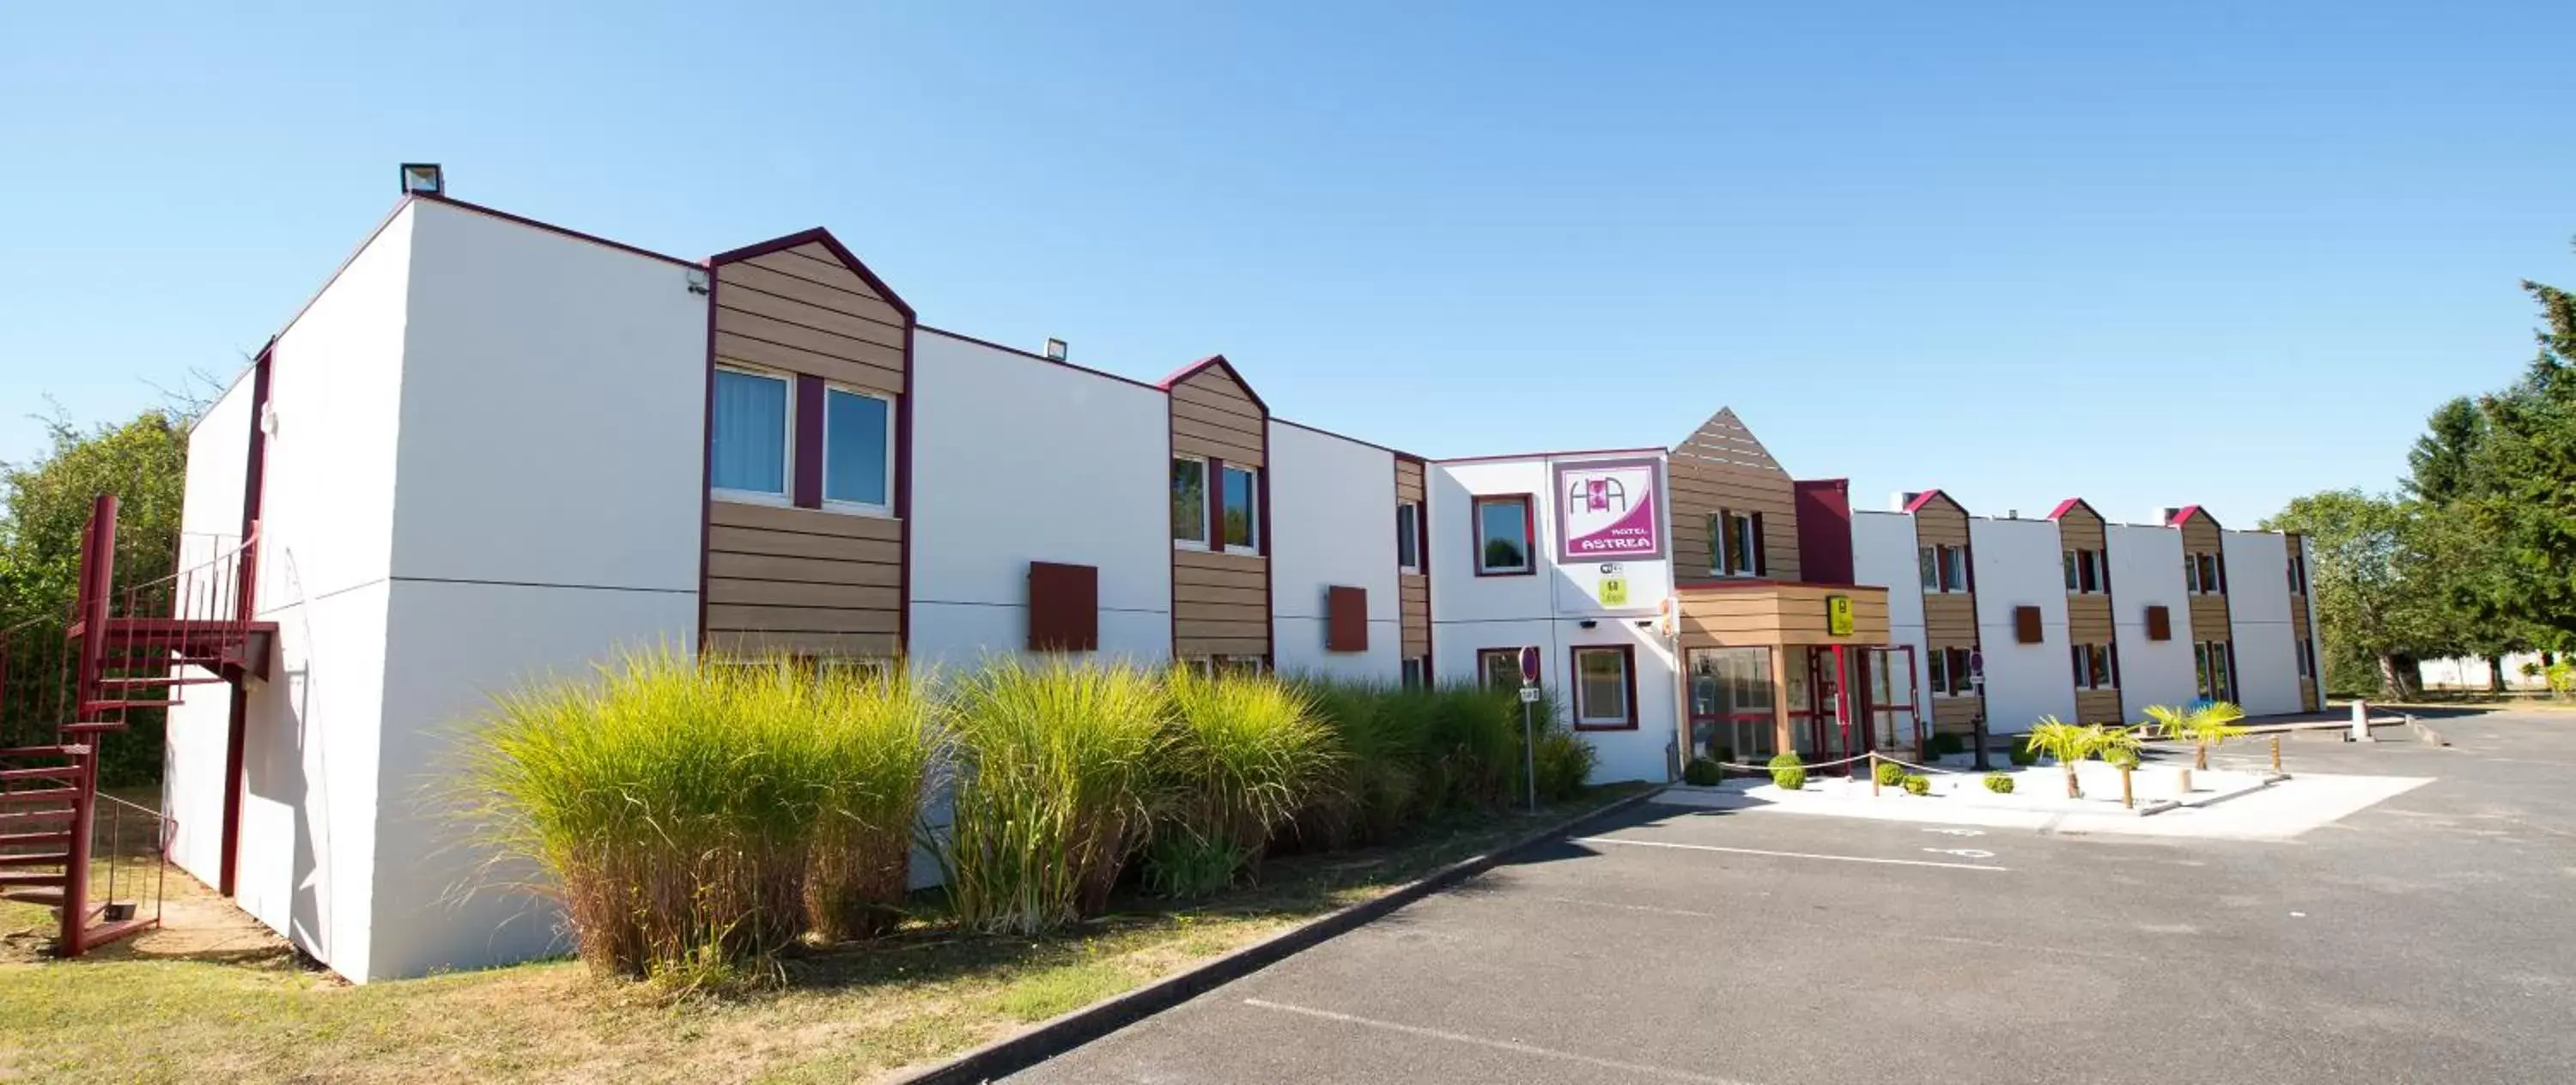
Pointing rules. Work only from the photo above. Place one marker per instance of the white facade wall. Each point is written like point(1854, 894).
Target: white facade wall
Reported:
point(548, 495)
point(210, 520)
point(2019, 564)
point(1332, 524)
point(2258, 609)
point(311, 770)
point(2146, 570)
point(1884, 553)
point(1016, 459)
point(1547, 610)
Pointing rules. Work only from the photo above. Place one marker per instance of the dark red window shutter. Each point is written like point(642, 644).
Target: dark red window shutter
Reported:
point(2159, 623)
point(2026, 625)
point(1761, 552)
point(808, 484)
point(1345, 619)
point(1064, 607)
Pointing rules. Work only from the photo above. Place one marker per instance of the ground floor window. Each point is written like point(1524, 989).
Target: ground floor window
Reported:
point(1499, 668)
point(1950, 672)
point(1731, 704)
point(1211, 666)
point(2211, 662)
point(2097, 666)
point(1605, 687)
point(1417, 672)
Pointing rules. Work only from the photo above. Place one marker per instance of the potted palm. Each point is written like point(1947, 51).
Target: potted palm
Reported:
point(2210, 723)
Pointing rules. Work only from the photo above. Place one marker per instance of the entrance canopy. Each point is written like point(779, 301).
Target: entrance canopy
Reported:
point(1771, 613)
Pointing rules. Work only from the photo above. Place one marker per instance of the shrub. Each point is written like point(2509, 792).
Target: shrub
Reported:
point(672, 806)
point(1946, 743)
point(1788, 773)
point(1244, 754)
point(1565, 762)
point(1917, 784)
point(1999, 783)
point(1702, 772)
point(2022, 755)
point(1890, 774)
point(1381, 787)
point(886, 736)
point(1051, 797)
point(1472, 743)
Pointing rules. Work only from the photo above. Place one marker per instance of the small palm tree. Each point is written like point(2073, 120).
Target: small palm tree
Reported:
point(2210, 723)
point(2068, 743)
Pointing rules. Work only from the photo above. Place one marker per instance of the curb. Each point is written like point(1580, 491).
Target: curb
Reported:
point(1074, 1028)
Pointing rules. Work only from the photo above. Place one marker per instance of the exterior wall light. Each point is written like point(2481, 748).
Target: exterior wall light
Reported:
point(423, 179)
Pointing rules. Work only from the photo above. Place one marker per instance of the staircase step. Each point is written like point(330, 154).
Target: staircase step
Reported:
point(88, 707)
point(46, 751)
point(92, 727)
point(21, 840)
point(52, 858)
point(147, 683)
point(50, 898)
point(37, 795)
point(99, 934)
point(48, 772)
point(25, 819)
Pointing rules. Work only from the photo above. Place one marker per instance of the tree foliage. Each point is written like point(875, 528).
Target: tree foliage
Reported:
point(144, 463)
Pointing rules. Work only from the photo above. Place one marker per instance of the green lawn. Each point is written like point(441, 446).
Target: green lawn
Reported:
point(134, 1013)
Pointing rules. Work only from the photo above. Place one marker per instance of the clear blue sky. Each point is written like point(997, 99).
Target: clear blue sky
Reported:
point(2147, 253)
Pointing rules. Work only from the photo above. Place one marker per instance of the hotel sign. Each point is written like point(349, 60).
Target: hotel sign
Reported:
point(1609, 510)
point(1838, 616)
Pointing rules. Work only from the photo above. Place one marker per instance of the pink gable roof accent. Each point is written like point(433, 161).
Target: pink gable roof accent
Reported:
point(2068, 505)
point(2186, 513)
point(1213, 361)
point(1922, 499)
point(825, 238)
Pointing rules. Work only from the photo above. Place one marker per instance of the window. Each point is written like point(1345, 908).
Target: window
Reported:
point(1735, 543)
point(748, 450)
point(1503, 541)
point(1731, 704)
point(1951, 672)
point(1499, 668)
point(2298, 574)
point(2306, 654)
point(2210, 663)
point(1408, 536)
point(1189, 501)
point(858, 449)
point(2097, 666)
point(1945, 569)
point(2085, 572)
point(1211, 666)
point(2203, 575)
point(1417, 672)
point(1242, 508)
point(1604, 680)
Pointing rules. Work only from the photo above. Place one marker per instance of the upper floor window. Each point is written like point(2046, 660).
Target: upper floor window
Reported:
point(1189, 501)
point(749, 448)
point(1735, 543)
point(1408, 536)
point(2086, 572)
point(1242, 509)
point(858, 449)
point(1503, 530)
point(2298, 574)
point(1945, 569)
point(2202, 574)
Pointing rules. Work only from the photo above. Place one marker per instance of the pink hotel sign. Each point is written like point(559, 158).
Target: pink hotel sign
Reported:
point(1606, 510)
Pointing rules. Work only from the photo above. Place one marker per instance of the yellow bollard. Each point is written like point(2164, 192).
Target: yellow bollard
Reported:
point(2128, 797)
point(2276, 755)
point(1873, 774)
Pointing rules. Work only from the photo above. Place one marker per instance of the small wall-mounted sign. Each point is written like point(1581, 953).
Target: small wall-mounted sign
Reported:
point(1614, 591)
point(1838, 615)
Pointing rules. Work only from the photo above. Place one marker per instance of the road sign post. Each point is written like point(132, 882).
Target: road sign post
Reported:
point(1529, 724)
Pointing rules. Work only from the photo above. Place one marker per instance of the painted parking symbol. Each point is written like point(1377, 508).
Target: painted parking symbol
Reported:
point(1964, 853)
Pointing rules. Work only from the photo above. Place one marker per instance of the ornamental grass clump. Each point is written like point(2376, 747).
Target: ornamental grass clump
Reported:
point(1379, 732)
point(887, 739)
point(1244, 753)
point(1052, 790)
point(672, 807)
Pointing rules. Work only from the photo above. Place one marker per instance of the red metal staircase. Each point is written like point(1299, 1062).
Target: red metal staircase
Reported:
point(122, 650)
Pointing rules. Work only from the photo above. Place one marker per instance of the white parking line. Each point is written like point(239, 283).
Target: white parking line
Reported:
point(1787, 854)
point(1775, 920)
point(1499, 1045)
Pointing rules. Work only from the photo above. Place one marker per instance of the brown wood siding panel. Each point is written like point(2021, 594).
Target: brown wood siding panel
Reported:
point(1191, 647)
point(1700, 490)
point(1784, 615)
point(1250, 627)
point(755, 353)
point(737, 617)
point(2097, 706)
point(838, 297)
point(1940, 522)
point(1200, 439)
point(723, 566)
point(838, 645)
point(752, 301)
point(2308, 695)
point(1230, 418)
point(1220, 604)
point(1198, 606)
point(2079, 529)
point(1408, 481)
point(1413, 612)
point(2088, 619)
point(1955, 713)
point(743, 514)
point(1214, 595)
point(1949, 619)
point(722, 539)
point(748, 325)
point(790, 593)
point(2209, 618)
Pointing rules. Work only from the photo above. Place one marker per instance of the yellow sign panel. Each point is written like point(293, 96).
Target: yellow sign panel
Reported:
point(1838, 615)
point(1614, 591)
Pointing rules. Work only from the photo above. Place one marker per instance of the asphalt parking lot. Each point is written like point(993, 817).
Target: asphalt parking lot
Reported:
point(2431, 937)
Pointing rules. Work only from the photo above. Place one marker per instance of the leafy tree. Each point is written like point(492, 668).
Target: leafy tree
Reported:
point(2375, 594)
point(2443, 464)
point(2526, 466)
point(144, 463)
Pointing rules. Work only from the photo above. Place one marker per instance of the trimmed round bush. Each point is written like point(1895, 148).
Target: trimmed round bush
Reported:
point(2022, 755)
point(1788, 773)
point(1890, 774)
point(1999, 783)
point(1702, 772)
point(1918, 784)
